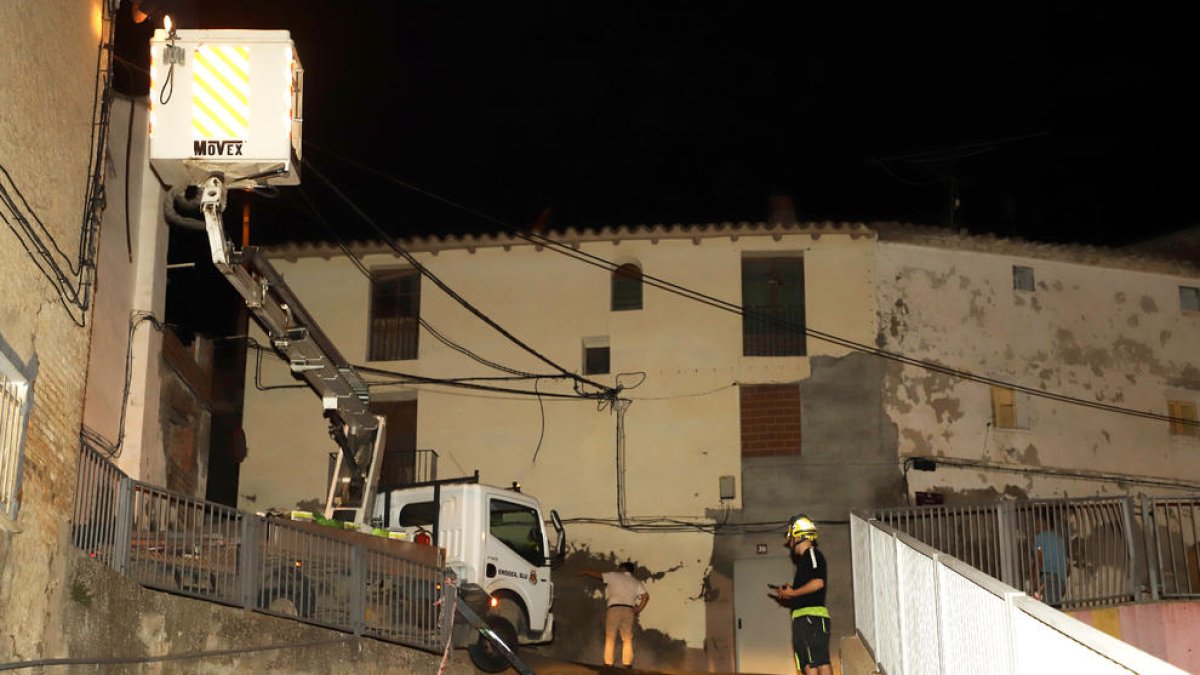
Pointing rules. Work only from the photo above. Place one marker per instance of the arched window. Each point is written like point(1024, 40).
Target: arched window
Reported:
point(627, 288)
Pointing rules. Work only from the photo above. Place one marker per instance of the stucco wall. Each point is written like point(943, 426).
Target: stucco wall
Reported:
point(1096, 332)
point(47, 71)
point(682, 428)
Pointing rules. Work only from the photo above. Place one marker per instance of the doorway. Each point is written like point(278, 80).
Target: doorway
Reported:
point(762, 628)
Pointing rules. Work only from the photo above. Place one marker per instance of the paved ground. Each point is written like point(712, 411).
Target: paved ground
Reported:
point(546, 666)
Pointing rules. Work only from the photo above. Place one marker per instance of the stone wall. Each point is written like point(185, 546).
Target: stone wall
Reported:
point(109, 617)
point(48, 56)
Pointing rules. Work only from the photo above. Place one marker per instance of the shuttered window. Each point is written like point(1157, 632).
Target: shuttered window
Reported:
point(1004, 408)
point(626, 288)
point(773, 304)
point(1183, 418)
point(395, 315)
point(14, 399)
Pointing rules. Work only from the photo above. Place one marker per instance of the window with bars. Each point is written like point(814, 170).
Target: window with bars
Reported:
point(395, 315)
point(1183, 418)
point(14, 399)
point(626, 288)
point(773, 304)
point(1023, 278)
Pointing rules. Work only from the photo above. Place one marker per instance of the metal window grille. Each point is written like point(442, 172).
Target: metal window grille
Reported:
point(14, 397)
point(1022, 278)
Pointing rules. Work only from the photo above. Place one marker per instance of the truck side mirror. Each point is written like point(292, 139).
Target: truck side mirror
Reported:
point(560, 547)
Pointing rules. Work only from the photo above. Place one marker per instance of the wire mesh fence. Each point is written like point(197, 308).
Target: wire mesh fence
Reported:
point(341, 580)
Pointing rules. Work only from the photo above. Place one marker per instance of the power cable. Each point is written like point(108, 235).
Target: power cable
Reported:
point(95, 438)
point(416, 264)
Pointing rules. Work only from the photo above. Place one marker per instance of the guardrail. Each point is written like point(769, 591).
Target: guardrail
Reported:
point(332, 578)
point(1091, 540)
point(922, 611)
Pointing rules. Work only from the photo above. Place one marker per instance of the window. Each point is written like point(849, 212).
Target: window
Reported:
point(770, 419)
point(595, 356)
point(1183, 418)
point(395, 315)
point(14, 399)
point(1006, 414)
point(519, 528)
point(1022, 278)
point(1189, 299)
point(627, 288)
point(773, 300)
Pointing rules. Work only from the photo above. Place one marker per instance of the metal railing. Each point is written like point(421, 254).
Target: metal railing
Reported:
point(1173, 533)
point(393, 338)
point(922, 611)
point(1071, 553)
point(191, 547)
point(773, 330)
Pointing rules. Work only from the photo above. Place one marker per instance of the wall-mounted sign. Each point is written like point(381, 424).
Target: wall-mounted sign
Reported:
point(760, 549)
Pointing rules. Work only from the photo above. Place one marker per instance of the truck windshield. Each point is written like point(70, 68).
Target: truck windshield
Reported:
point(520, 528)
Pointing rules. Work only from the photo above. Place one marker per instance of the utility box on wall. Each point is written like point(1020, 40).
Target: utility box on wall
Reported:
point(225, 101)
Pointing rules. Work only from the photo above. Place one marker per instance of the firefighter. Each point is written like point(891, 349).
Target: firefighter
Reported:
point(805, 597)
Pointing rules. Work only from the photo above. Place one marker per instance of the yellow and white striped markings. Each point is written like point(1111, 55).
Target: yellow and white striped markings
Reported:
point(221, 92)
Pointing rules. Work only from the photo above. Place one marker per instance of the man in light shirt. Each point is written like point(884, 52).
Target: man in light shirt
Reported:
point(625, 597)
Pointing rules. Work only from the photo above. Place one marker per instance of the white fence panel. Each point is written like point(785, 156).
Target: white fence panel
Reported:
point(918, 612)
point(887, 614)
point(864, 594)
point(975, 626)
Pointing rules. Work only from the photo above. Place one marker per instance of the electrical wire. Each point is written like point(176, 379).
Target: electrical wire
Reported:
point(703, 298)
point(425, 272)
point(95, 438)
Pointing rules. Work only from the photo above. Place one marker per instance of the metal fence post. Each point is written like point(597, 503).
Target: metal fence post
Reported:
point(1005, 535)
point(358, 589)
point(1153, 555)
point(122, 533)
point(248, 561)
point(1127, 516)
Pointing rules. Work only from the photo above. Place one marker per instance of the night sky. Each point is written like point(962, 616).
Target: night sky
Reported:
point(1060, 122)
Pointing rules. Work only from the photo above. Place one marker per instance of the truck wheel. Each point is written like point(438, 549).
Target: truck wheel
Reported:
point(297, 601)
point(484, 654)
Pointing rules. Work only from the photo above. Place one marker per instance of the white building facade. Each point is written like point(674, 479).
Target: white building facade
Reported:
point(735, 422)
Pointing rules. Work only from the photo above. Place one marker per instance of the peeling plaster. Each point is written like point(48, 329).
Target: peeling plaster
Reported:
point(920, 442)
point(1037, 305)
point(1120, 297)
point(1133, 321)
point(1148, 305)
point(1163, 337)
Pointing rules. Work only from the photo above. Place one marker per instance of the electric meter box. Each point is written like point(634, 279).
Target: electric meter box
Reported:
point(228, 102)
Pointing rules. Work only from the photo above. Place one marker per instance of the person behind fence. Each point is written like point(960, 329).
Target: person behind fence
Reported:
point(1050, 569)
point(626, 597)
point(805, 596)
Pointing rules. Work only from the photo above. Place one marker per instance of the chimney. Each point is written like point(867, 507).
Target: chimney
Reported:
point(781, 210)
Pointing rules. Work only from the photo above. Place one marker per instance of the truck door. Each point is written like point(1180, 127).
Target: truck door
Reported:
point(517, 556)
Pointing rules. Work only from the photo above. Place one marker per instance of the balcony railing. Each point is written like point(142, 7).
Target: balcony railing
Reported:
point(773, 330)
point(393, 339)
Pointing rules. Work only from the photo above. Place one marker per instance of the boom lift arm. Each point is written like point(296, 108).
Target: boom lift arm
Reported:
point(311, 357)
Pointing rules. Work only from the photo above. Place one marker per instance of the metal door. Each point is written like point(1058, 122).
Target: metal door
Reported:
point(763, 633)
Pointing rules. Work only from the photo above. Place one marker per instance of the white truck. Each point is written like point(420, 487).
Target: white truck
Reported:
point(495, 544)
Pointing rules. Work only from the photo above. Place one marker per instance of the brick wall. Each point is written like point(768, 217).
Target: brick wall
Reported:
point(770, 419)
point(48, 52)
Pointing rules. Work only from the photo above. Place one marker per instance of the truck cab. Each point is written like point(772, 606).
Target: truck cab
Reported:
point(495, 542)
